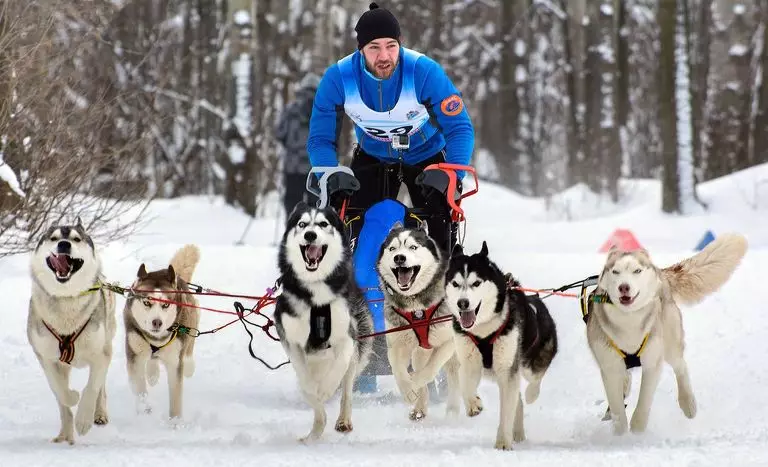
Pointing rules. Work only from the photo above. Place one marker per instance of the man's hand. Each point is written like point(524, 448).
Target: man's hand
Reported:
point(341, 184)
point(434, 181)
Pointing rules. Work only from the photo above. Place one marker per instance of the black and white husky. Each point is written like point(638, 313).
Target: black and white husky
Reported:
point(500, 333)
point(321, 312)
point(411, 271)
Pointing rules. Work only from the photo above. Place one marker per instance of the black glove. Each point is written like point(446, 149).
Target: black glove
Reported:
point(342, 184)
point(434, 181)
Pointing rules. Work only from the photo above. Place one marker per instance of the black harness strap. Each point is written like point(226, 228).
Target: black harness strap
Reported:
point(319, 327)
point(485, 345)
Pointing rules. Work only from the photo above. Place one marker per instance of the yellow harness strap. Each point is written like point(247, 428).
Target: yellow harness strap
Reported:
point(624, 354)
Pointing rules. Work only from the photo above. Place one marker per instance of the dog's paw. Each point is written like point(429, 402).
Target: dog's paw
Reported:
point(101, 417)
point(189, 367)
point(474, 407)
point(64, 438)
point(71, 398)
point(343, 426)
point(153, 372)
point(518, 436)
point(417, 415)
point(83, 421)
point(503, 445)
point(620, 427)
point(688, 405)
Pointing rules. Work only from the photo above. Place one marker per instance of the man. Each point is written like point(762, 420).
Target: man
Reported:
point(291, 131)
point(407, 115)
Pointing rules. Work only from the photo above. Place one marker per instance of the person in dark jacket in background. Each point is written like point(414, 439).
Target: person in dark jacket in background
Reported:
point(292, 131)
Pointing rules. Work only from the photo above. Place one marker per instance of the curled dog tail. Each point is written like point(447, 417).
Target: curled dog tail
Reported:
point(694, 278)
point(185, 261)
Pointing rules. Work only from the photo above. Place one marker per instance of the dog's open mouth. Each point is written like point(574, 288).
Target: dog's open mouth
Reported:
point(63, 265)
point(467, 317)
point(406, 276)
point(313, 255)
point(627, 300)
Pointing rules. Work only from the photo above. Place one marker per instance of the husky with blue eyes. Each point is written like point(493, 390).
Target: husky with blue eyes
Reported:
point(633, 320)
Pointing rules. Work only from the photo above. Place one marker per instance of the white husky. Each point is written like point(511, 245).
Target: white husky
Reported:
point(635, 321)
point(71, 324)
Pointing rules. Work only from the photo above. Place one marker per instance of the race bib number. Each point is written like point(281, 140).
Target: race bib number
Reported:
point(387, 135)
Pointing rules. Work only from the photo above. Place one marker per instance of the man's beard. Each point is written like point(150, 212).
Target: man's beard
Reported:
point(384, 73)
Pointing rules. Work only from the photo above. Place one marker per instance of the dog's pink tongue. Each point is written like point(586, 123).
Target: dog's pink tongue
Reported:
point(60, 263)
point(467, 318)
point(314, 252)
point(404, 276)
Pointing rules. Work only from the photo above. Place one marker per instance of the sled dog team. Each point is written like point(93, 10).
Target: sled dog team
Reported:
point(469, 320)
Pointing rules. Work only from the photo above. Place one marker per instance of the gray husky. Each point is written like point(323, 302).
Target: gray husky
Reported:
point(71, 324)
point(501, 333)
point(411, 271)
point(321, 312)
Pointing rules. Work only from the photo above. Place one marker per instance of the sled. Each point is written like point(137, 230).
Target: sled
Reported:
point(335, 186)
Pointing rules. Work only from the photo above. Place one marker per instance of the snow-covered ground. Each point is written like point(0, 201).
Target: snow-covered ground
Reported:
point(239, 413)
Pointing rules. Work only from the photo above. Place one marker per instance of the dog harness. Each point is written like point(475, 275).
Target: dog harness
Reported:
point(420, 321)
point(485, 344)
point(174, 333)
point(319, 327)
point(630, 360)
point(66, 343)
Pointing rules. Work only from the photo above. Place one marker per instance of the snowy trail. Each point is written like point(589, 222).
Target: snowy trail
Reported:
point(239, 413)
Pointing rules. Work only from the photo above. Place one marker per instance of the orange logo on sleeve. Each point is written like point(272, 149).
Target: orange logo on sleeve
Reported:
point(452, 105)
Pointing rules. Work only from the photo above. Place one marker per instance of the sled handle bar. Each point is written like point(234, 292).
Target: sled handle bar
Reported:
point(450, 193)
point(322, 191)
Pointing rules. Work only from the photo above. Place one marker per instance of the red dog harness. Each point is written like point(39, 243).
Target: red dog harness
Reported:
point(419, 320)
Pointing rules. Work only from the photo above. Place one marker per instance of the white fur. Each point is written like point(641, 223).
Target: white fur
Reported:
point(403, 347)
point(415, 255)
point(317, 223)
point(653, 312)
point(321, 373)
point(64, 307)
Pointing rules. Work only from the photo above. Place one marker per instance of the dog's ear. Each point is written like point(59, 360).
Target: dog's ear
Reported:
point(484, 250)
point(79, 222)
point(398, 225)
point(171, 275)
point(142, 272)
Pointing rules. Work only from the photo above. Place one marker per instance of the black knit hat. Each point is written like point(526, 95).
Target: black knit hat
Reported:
point(375, 24)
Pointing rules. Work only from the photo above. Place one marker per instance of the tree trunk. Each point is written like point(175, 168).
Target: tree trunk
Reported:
point(761, 117)
point(667, 17)
point(622, 85)
point(505, 146)
point(685, 162)
point(699, 39)
point(574, 40)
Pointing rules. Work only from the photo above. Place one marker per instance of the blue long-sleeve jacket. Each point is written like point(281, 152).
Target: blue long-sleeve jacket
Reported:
point(434, 90)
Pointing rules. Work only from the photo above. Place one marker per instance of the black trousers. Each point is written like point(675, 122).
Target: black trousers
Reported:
point(380, 180)
point(294, 185)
